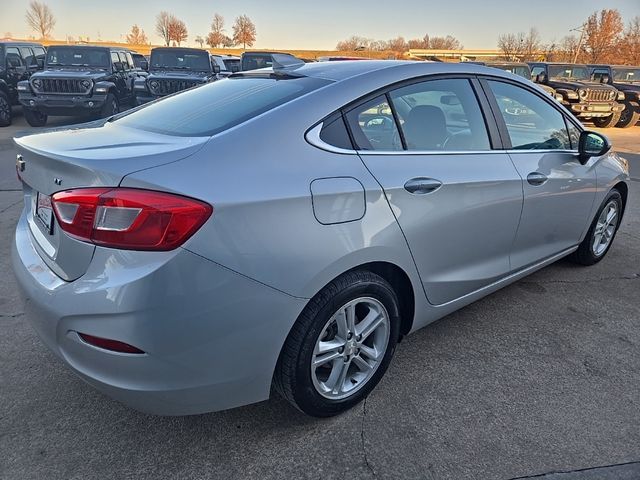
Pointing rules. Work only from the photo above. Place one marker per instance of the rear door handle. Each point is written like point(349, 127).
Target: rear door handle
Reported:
point(422, 185)
point(536, 178)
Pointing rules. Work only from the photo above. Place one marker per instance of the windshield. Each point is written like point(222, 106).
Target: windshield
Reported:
point(626, 74)
point(520, 70)
point(180, 60)
point(77, 57)
point(218, 106)
point(255, 61)
point(569, 72)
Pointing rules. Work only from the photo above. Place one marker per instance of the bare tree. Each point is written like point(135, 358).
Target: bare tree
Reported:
point(444, 43)
point(137, 36)
point(199, 40)
point(40, 19)
point(531, 46)
point(244, 31)
point(178, 31)
point(398, 44)
point(354, 43)
point(163, 26)
point(603, 32)
point(418, 43)
point(216, 36)
point(630, 44)
point(509, 44)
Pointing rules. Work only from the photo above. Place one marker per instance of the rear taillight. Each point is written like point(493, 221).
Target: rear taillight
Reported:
point(128, 218)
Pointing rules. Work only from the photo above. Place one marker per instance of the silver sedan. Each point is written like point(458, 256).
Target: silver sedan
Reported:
point(288, 226)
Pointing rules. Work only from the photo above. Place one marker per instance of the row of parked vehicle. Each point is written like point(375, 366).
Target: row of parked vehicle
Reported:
point(99, 81)
point(607, 95)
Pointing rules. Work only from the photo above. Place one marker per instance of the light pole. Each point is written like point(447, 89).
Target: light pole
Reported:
point(581, 30)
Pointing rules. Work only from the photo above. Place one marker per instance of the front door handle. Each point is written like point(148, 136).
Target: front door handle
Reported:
point(536, 178)
point(422, 185)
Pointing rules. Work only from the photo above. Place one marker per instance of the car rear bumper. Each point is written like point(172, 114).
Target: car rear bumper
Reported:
point(63, 105)
point(211, 337)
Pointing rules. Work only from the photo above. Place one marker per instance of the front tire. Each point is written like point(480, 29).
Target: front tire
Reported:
point(340, 346)
point(607, 122)
point(603, 230)
point(628, 117)
point(5, 110)
point(35, 118)
point(110, 106)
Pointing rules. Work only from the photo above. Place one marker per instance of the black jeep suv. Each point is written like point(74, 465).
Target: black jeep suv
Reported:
point(521, 69)
point(586, 99)
point(18, 61)
point(174, 69)
point(79, 80)
point(625, 79)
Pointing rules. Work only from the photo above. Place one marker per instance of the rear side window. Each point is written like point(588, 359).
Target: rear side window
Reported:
point(14, 60)
point(373, 126)
point(532, 123)
point(218, 106)
point(441, 115)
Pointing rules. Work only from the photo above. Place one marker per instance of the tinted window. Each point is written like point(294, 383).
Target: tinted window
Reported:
point(232, 65)
point(27, 56)
point(14, 59)
point(574, 135)
point(373, 126)
point(129, 60)
point(334, 132)
point(217, 106)
point(568, 72)
point(253, 62)
point(441, 115)
point(39, 52)
point(180, 59)
point(536, 71)
point(532, 122)
point(600, 75)
point(77, 57)
point(626, 74)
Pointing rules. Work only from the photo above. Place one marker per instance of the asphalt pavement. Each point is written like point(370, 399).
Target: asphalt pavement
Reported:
point(541, 379)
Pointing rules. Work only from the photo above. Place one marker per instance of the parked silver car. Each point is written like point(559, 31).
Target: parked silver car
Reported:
point(288, 226)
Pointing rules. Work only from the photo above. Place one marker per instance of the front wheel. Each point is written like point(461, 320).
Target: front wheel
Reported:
point(35, 118)
point(628, 117)
point(110, 106)
point(341, 345)
point(603, 230)
point(606, 122)
point(5, 110)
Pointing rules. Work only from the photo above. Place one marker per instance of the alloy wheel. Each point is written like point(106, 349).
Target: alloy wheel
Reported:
point(5, 110)
point(350, 348)
point(605, 229)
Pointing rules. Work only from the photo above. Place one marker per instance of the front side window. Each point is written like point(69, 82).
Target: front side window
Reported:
point(535, 71)
point(218, 106)
point(373, 126)
point(27, 55)
point(532, 123)
point(440, 115)
point(14, 60)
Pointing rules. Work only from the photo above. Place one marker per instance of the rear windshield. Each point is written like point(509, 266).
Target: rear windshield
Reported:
point(180, 60)
point(78, 57)
point(232, 65)
point(218, 106)
point(256, 61)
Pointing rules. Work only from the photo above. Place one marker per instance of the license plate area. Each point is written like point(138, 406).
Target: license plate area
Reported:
point(43, 212)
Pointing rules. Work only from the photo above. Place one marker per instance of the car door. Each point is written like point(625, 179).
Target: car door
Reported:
point(118, 76)
point(16, 70)
point(559, 191)
point(456, 198)
point(128, 76)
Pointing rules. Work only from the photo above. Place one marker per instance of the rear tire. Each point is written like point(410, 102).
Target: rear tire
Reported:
point(340, 346)
point(628, 117)
point(35, 118)
point(5, 110)
point(602, 231)
point(607, 122)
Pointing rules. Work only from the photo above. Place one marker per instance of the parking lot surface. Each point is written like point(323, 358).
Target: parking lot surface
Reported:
point(539, 379)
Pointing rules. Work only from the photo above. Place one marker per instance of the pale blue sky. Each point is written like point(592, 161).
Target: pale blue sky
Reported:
point(321, 24)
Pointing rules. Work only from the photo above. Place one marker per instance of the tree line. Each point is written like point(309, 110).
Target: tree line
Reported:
point(602, 38)
point(398, 44)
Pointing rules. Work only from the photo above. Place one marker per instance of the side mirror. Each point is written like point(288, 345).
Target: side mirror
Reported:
point(118, 67)
point(592, 144)
point(144, 65)
point(40, 62)
point(604, 79)
point(449, 100)
point(216, 68)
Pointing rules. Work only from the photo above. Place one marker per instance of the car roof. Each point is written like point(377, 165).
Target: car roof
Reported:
point(15, 43)
point(180, 48)
point(338, 71)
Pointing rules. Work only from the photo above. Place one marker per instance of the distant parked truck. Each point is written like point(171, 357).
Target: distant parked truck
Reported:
point(586, 99)
point(625, 79)
point(255, 60)
point(523, 70)
point(18, 61)
point(79, 80)
point(172, 70)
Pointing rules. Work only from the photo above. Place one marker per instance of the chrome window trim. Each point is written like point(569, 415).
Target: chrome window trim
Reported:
point(313, 138)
